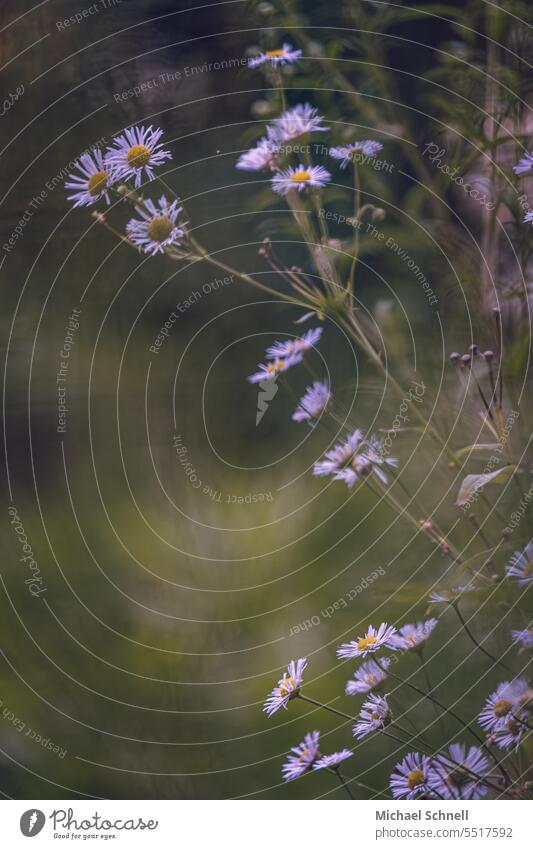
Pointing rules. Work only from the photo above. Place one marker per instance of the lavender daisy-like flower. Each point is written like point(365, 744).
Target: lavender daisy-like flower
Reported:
point(332, 761)
point(270, 370)
point(262, 156)
point(303, 757)
point(296, 122)
point(502, 703)
point(298, 345)
point(288, 687)
point(92, 181)
point(369, 676)
point(409, 778)
point(450, 596)
point(136, 151)
point(284, 55)
point(414, 636)
point(451, 777)
point(510, 733)
point(300, 178)
point(520, 566)
point(373, 641)
point(353, 459)
point(158, 228)
point(528, 218)
point(313, 403)
point(374, 715)
point(525, 637)
point(349, 152)
point(524, 165)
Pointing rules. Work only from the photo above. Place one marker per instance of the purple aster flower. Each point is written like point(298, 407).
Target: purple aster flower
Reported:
point(509, 735)
point(524, 637)
point(520, 566)
point(374, 715)
point(350, 152)
point(137, 150)
point(524, 165)
point(315, 177)
point(270, 370)
point(305, 754)
point(284, 55)
point(369, 676)
point(93, 180)
point(298, 345)
point(409, 779)
point(502, 703)
point(288, 687)
point(414, 636)
point(263, 155)
point(528, 218)
point(373, 640)
point(313, 403)
point(451, 777)
point(450, 596)
point(159, 227)
point(353, 459)
point(296, 122)
point(332, 761)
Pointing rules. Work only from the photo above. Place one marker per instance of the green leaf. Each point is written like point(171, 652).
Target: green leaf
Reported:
point(473, 483)
point(478, 446)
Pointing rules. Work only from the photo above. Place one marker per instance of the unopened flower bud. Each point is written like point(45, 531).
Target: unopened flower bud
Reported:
point(455, 357)
point(378, 214)
point(466, 359)
point(489, 355)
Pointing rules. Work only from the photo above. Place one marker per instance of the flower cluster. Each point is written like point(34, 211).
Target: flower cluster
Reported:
point(282, 355)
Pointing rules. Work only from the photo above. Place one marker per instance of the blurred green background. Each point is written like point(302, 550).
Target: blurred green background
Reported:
point(169, 609)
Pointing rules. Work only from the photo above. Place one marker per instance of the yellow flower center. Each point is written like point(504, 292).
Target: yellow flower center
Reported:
point(274, 367)
point(415, 778)
point(301, 177)
point(501, 707)
point(138, 155)
point(287, 686)
point(275, 54)
point(160, 228)
point(97, 183)
point(366, 642)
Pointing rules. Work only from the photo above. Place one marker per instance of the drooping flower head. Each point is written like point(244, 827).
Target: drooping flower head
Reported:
point(284, 55)
point(409, 778)
point(503, 703)
point(450, 596)
point(520, 566)
point(298, 345)
point(525, 637)
point(353, 459)
point(288, 687)
point(349, 152)
point(368, 677)
point(313, 403)
point(414, 636)
point(136, 152)
point(374, 715)
point(373, 641)
point(271, 370)
point(296, 122)
point(300, 178)
point(332, 761)
point(91, 179)
point(158, 228)
point(303, 757)
point(263, 155)
point(524, 165)
point(451, 775)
